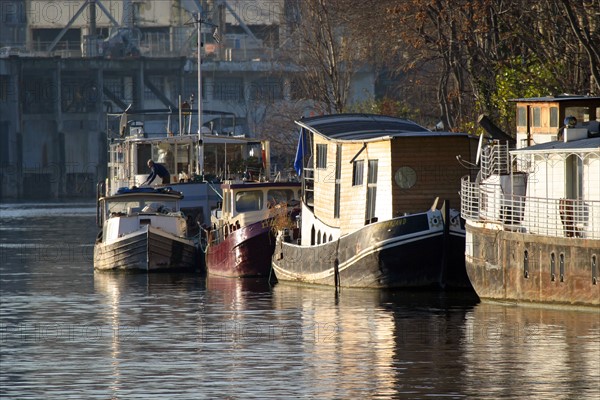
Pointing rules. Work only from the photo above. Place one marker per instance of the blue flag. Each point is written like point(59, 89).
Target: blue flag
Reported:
point(299, 161)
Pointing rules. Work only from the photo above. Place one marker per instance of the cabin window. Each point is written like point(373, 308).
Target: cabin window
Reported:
point(537, 116)
point(371, 191)
point(581, 114)
point(521, 116)
point(227, 202)
point(249, 200)
point(144, 153)
point(321, 156)
point(357, 172)
point(277, 196)
point(338, 176)
point(554, 117)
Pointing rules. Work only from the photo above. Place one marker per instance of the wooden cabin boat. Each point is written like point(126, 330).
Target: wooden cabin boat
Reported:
point(242, 238)
point(369, 209)
point(144, 230)
point(533, 212)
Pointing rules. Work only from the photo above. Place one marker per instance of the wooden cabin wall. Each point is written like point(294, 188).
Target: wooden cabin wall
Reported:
point(324, 182)
point(352, 198)
point(564, 109)
point(438, 172)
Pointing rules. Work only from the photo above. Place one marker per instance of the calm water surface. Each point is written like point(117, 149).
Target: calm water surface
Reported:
point(69, 333)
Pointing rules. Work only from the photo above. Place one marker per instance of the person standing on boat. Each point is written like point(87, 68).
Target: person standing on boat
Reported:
point(159, 170)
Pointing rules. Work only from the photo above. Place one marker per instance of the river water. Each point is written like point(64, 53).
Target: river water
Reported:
point(69, 333)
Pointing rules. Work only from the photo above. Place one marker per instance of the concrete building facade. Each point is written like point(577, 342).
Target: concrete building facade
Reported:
point(67, 68)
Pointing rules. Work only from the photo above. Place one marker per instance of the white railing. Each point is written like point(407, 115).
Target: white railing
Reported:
point(495, 160)
point(486, 203)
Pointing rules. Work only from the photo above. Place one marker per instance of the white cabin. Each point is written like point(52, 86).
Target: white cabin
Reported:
point(549, 188)
point(129, 212)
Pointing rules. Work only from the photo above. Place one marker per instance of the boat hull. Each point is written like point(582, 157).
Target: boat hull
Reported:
point(403, 252)
point(246, 252)
point(148, 249)
point(518, 267)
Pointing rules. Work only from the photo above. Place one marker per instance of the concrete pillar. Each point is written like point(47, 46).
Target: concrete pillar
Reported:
point(128, 90)
point(209, 88)
point(139, 101)
point(17, 161)
point(102, 140)
point(58, 157)
point(287, 89)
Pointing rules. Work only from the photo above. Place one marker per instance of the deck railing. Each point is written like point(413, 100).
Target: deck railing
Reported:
point(495, 160)
point(530, 215)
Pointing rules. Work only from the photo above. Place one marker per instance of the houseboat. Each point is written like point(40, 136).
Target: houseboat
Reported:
point(143, 230)
point(242, 235)
point(197, 163)
point(375, 207)
point(533, 210)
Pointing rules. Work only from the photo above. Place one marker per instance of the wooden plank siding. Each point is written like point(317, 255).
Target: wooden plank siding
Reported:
point(324, 182)
point(352, 198)
point(437, 169)
point(564, 110)
point(433, 159)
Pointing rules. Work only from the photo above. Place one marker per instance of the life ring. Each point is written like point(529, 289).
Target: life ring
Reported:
point(434, 221)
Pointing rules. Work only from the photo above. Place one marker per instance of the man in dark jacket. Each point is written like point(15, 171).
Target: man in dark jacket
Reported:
point(157, 169)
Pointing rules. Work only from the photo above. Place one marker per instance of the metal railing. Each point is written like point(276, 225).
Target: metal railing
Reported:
point(151, 44)
point(486, 203)
point(495, 160)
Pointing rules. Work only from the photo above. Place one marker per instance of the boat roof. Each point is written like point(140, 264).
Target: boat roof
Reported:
point(556, 99)
point(127, 194)
point(258, 185)
point(192, 138)
point(582, 145)
point(358, 126)
point(366, 126)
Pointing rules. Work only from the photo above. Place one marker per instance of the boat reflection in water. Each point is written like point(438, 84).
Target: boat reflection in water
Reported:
point(246, 338)
point(550, 352)
point(415, 344)
point(149, 324)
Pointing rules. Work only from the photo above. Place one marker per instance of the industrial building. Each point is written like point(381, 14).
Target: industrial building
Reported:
point(67, 67)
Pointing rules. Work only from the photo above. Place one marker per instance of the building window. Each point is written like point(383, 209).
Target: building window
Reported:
point(358, 172)
point(266, 90)
point(521, 116)
point(230, 89)
point(537, 116)
point(4, 85)
point(554, 117)
point(321, 156)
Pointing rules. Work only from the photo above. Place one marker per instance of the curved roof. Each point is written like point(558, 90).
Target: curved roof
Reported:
point(361, 126)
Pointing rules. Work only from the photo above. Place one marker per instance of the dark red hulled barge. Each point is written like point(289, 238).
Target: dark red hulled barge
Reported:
point(241, 239)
